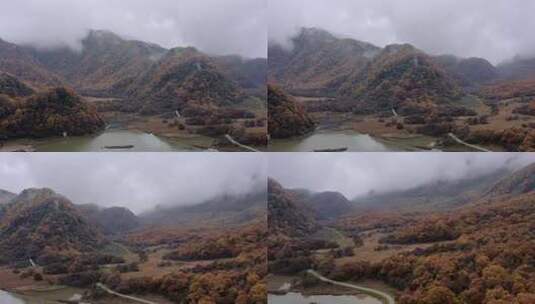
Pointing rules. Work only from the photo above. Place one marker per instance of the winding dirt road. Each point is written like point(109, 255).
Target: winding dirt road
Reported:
point(106, 289)
point(460, 141)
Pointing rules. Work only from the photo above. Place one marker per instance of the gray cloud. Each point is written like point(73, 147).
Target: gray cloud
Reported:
point(139, 181)
point(496, 30)
point(216, 27)
point(355, 174)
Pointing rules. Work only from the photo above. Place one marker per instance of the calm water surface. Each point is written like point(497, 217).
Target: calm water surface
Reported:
point(297, 298)
point(322, 141)
point(142, 142)
point(354, 142)
point(6, 298)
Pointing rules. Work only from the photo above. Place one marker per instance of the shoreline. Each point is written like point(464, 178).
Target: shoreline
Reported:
point(324, 288)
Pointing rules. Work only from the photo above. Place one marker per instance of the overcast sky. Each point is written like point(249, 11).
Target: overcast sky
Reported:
point(356, 174)
point(139, 181)
point(494, 29)
point(214, 26)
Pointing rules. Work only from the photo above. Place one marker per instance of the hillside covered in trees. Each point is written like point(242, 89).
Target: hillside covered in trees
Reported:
point(478, 250)
point(399, 91)
point(286, 117)
point(82, 245)
point(51, 113)
point(125, 80)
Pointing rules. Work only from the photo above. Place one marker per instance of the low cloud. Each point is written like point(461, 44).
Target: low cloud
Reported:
point(139, 181)
point(232, 27)
point(496, 30)
point(356, 174)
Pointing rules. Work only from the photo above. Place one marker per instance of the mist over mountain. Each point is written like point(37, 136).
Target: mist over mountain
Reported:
point(470, 29)
point(145, 181)
point(358, 176)
point(239, 29)
point(224, 210)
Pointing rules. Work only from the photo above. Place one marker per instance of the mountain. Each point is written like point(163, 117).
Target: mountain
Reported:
point(249, 74)
point(329, 205)
point(437, 195)
point(49, 113)
point(106, 65)
point(286, 214)
point(19, 62)
point(6, 196)
point(519, 182)
point(114, 220)
point(183, 77)
point(469, 72)
point(225, 210)
point(403, 78)
point(145, 77)
point(317, 63)
point(40, 221)
point(286, 117)
point(12, 87)
point(150, 78)
point(519, 68)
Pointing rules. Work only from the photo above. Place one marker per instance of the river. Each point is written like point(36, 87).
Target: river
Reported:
point(297, 298)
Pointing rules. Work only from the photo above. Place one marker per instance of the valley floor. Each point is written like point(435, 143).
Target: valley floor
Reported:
point(342, 130)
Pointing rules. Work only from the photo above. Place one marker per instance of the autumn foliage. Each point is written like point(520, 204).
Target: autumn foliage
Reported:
point(49, 113)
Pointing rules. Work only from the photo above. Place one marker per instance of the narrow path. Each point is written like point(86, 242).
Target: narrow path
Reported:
point(106, 289)
point(457, 139)
point(386, 298)
point(233, 141)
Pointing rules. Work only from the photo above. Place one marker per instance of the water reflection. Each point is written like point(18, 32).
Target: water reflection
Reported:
point(297, 298)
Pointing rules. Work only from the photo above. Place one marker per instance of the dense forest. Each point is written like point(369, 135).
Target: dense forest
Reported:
point(52, 113)
point(401, 90)
point(286, 117)
point(479, 252)
point(47, 238)
point(115, 77)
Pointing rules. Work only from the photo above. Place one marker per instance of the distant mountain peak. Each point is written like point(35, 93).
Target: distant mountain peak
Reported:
point(5, 197)
point(103, 34)
point(519, 182)
point(396, 47)
point(315, 35)
point(30, 193)
point(39, 220)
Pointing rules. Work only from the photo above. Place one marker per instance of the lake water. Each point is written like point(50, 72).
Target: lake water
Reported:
point(297, 298)
point(321, 141)
point(354, 142)
point(142, 142)
point(6, 298)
